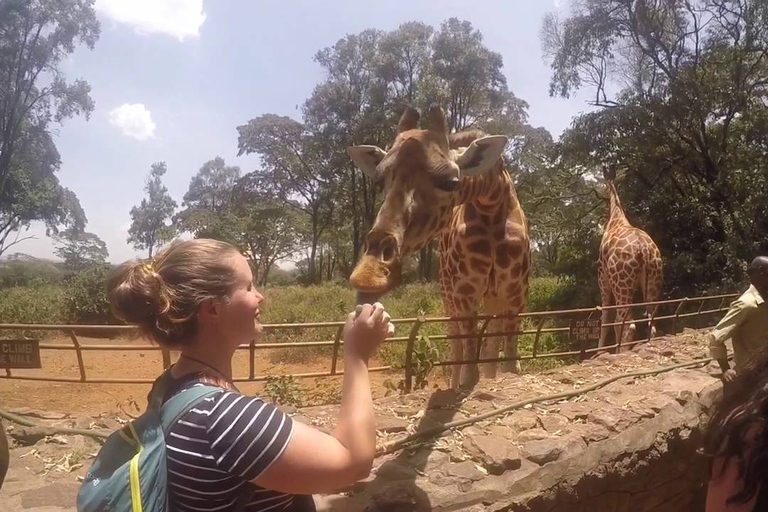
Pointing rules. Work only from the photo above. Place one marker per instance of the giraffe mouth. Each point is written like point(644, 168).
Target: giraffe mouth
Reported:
point(372, 278)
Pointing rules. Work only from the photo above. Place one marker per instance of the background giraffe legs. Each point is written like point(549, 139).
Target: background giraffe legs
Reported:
point(625, 330)
point(606, 299)
point(651, 288)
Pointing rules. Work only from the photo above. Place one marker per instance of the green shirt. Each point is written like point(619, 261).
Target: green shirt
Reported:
point(746, 323)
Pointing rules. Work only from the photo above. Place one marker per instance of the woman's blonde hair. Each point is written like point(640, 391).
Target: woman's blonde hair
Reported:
point(162, 295)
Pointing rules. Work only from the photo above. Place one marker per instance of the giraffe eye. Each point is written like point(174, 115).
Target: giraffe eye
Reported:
point(448, 185)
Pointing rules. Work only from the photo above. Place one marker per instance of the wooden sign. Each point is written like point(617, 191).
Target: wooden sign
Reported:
point(20, 354)
point(585, 329)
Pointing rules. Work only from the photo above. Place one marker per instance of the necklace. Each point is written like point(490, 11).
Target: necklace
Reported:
point(203, 363)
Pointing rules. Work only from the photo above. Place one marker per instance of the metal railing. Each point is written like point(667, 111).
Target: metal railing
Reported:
point(675, 307)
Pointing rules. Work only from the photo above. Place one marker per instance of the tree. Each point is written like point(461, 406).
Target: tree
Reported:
point(221, 205)
point(33, 193)
point(296, 168)
point(80, 249)
point(211, 187)
point(35, 36)
point(270, 231)
point(149, 229)
point(687, 121)
point(208, 201)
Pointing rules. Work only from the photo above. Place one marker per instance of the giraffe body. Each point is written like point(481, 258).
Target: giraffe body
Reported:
point(629, 261)
point(483, 233)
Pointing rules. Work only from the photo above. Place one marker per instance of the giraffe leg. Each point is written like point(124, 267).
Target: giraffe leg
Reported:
point(457, 353)
point(490, 347)
point(510, 346)
point(625, 329)
point(652, 290)
point(470, 374)
point(606, 299)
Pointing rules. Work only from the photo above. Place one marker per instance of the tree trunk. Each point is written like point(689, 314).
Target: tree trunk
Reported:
point(355, 215)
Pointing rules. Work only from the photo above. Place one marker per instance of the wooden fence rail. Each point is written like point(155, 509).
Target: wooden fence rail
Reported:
point(676, 306)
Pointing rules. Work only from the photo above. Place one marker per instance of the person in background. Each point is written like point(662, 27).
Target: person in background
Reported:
point(746, 323)
point(198, 296)
point(737, 442)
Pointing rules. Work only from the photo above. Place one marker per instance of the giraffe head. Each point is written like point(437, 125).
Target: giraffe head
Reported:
point(422, 179)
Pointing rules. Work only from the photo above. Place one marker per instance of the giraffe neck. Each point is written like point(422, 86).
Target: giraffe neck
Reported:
point(490, 190)
point(617, 217)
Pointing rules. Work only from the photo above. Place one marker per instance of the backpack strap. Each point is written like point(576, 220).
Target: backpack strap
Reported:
point(179, 404)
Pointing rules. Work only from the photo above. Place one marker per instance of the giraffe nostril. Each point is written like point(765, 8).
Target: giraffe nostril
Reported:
point(388, 250)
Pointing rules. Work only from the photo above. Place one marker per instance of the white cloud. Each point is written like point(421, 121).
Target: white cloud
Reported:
point(177, 18)
point(134, 120)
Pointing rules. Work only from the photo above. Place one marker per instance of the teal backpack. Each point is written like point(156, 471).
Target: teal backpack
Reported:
point(130, 471)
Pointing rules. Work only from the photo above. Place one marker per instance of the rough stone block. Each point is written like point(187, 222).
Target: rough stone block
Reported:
point(496, 455)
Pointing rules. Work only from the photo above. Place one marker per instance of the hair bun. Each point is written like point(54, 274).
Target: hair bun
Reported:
point(137, 295)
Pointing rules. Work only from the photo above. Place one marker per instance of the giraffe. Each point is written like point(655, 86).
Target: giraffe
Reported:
point(629, 259)
point(455, 187)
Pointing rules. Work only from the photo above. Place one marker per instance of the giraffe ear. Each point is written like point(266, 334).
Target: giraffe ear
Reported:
point(367, 158)
point(481, 155)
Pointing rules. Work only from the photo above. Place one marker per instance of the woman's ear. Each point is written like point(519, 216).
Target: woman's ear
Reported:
point(208, 311)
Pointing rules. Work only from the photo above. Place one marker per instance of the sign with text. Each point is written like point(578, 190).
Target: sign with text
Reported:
point(20, 354)
point(585, 329)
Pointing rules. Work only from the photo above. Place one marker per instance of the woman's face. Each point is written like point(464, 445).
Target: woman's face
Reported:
point(240, 315)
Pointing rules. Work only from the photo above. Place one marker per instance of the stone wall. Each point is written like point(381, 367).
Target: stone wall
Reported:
point(632, 446)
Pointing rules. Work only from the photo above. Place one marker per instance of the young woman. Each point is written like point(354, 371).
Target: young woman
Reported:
point(198, 296)
point(737, 441)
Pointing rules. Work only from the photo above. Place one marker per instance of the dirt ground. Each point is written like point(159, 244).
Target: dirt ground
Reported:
point(94, 399)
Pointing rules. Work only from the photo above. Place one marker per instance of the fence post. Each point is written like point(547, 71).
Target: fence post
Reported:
point(409, 353)
point(79, 353)
point(698, 313)
point(536, 339)
point(677, 314)
point(336, 345)
point(252, 359)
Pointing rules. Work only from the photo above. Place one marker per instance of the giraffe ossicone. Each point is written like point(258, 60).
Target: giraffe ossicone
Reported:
point(455, 187)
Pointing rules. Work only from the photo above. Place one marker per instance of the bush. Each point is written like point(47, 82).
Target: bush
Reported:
point(86, 297)
point(36, 304)
point(14, 273)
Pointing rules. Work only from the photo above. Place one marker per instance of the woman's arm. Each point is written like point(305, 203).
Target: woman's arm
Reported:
point(317, 462)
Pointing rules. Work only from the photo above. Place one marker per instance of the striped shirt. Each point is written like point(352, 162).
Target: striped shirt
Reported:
point(217, 448)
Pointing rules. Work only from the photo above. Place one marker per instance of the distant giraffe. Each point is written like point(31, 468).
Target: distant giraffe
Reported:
point(456, 186)
point(629, 259)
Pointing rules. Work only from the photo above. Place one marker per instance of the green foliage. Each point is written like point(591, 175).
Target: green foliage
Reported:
point(80, 250)
point(38, 303)
point(284, 390)
point(149, 229)
point(37, 35)
point(687, 123)
point(86, 300)
point(24, 271)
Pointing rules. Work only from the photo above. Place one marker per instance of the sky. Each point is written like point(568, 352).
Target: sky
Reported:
point(172, 79)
